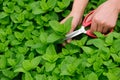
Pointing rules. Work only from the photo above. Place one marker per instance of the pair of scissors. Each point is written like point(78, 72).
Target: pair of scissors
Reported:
point(85, 24)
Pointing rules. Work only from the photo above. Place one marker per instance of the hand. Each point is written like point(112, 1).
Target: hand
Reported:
point(105, 16)
point(77, 18)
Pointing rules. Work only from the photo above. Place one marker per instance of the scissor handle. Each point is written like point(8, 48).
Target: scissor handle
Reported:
point(88, 24)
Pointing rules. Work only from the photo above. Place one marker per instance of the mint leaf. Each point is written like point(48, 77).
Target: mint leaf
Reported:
point(67, 24)
point(116, 58)
point(27, 65)
point(35, 61)
point(44, 5)
point(57, 27)
point(3, 62)
point(50, 54)
point(9, 74)
point(49, 66)
point(69, 65)
point(53, 37)
point(92, 76)
point(40, 77)
point(11, 62)
point(51, 4)
point(28, 76)
point(3, 15)
point(116, 44)
point(43, 37)
point(88, 50)
point(109, 39)
point(19, 36)
point(99, 43)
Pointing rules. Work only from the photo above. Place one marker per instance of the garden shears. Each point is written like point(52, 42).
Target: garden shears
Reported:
point(85, 24)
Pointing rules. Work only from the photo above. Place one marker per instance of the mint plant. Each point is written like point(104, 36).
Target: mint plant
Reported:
point(31, 38)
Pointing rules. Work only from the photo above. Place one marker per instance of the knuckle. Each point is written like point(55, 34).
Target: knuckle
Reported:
point(96, 19)
point(110, 25)
point(103, 23)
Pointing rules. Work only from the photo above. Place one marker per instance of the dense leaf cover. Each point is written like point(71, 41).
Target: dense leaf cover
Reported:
point(31, 38)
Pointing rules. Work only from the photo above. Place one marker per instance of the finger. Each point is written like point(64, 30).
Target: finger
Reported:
point(93, 26)
point(100, 28)
point(63, 44)
point(80, 21)
point(105, 30)
point(69, 40)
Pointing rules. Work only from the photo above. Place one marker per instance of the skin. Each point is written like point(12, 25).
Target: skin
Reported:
point(105, 16)
point(103, 19)
point(77, 13)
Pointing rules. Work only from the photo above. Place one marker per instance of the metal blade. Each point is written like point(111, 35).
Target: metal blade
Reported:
point(75, 33)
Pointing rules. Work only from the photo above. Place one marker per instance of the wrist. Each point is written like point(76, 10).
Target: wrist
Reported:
point(116, 3)
point(79, 6)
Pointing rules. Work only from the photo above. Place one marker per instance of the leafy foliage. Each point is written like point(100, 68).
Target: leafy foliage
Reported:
point(30, 44)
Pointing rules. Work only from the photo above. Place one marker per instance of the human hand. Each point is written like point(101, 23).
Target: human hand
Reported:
point(77, 18)
point(105, 16)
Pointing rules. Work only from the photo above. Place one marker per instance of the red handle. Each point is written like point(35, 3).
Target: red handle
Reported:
point(85, 22)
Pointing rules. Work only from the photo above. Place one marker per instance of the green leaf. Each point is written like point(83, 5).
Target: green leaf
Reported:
point(66, 2)
point(37, 11)
point(22, 50)
point(29, 43)
point(88, 50)
point(51, 4)
point(17, 18)
point(105, 53)
point(57, 27)
point(72, 49)
point(69, 65)
point(11, 62)
point(92, 76)
point(67, 24)
point(20, 3)
point(97, 64)
point(53, 37)
point(109, 64)
point(116, 58)
point(44, 5)
point(99, 43)
point(43, 37)
point(28, 76)
point(41, 77)
point(114, 72)
point(27, 65)
point(3, 62)
point(50, 54)
point(9, 74)
point(49, 66)
point(35, 61)
point(80, 42)
point(19, 36)
point(61, 5)
point(20, 69)
point(3, 15)
point(65, 51)
point(116, 45)
point(15, 42)
point(17, 9)
point(109, 39)
point(57, 9)
point(99, 35)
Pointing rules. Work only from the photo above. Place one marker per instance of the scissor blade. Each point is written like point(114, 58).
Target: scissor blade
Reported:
point(75, 33)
